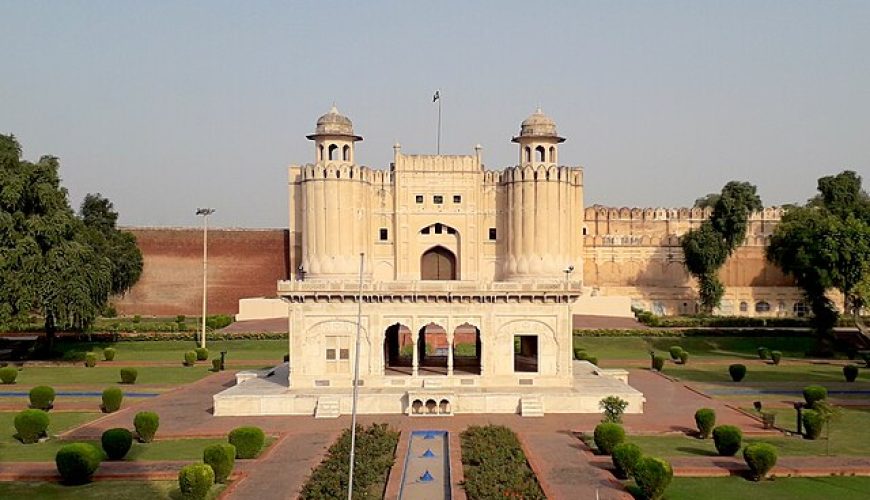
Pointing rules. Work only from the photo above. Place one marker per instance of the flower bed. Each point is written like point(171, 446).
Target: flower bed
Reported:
point(495, 465)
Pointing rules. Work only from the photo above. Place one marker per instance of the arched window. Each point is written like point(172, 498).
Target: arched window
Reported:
point(744, 307)
point(320, 153)
point(345, 153)
point(762, 307)
point(800, 309)
point(540, 154)
point(552, 154)
point(528, 154)
point(332, 150)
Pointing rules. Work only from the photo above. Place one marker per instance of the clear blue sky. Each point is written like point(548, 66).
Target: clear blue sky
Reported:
point(165, 106)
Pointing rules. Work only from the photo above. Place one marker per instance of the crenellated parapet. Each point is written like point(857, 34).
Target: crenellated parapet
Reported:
point(600, 212)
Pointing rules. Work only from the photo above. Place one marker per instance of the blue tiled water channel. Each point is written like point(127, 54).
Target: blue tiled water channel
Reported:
point(426, 474)
point(79, 394)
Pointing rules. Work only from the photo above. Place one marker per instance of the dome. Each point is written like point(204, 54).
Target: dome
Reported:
point(538, 125)
point(334, 123)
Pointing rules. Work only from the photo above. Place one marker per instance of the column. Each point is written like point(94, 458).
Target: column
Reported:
point(415, 356)
point(450, 353)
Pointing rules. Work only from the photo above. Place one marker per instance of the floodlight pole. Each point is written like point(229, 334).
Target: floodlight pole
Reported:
point(355, 378)
point(204, 212)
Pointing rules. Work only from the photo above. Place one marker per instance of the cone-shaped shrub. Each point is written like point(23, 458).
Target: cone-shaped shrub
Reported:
point(129, 375)
point(195, 481)
point(607, 435)
point(190, 358)
point(90, 360)
point(201, 353)
point(42, 397)
point(776, 357)
point(727, 440)
point(760, 458)
point(221, 458)
point(813, 393)
point(705, 419)
point(653, 475)
point(658, 363)
point(249, 441)
point(737, 372)
point(109, 353)
point(625, 457)
point(31, 425)
point(8, 374)
point(77, 462)
point(850, 372)
point(112, 398)
point(813, 424)
point(116, 442)
point(146, 424)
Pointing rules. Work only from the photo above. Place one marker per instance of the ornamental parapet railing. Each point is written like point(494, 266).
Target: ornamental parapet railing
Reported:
point(430, 287)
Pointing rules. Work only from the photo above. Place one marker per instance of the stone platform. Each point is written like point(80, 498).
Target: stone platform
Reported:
point(268, 393)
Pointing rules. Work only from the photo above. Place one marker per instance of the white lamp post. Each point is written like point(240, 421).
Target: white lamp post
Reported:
point(204, 212)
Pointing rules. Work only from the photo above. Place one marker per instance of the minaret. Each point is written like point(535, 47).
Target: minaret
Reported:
point(333, 138)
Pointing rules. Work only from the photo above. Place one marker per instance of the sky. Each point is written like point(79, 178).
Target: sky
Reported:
point(166, 106)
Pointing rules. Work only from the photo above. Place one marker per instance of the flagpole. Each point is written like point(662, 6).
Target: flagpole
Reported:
point(355, 379)
point(438, 145)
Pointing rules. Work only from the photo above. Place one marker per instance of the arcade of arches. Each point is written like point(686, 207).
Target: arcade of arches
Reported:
point(436, 353)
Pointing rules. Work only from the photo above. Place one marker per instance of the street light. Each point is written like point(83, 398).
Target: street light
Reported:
point(204, 212)
point(568, 270)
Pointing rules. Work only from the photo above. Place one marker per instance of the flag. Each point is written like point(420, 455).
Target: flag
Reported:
point(436, 96)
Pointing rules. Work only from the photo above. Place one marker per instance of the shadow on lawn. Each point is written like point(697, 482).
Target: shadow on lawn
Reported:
point(696, 451)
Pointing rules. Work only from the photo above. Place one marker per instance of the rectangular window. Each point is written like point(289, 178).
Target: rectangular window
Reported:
point(492, 233)
point(457, 198)
point(383, 234)
point(419, 198)
point(344, 354)
point(526, 353)
point(438, 199)
point(330, 354)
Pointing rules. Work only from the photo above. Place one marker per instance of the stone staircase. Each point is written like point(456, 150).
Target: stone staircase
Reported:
point(327, 407)
point(531, 406)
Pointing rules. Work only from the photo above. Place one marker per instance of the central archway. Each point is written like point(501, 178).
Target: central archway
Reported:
point(438, 263)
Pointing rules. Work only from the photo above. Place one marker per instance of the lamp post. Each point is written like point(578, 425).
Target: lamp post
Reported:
point(204, 212)
point(568, 270)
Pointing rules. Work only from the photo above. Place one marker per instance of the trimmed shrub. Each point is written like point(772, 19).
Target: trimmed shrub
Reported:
point(675, 352)
point(737, 372)
point(813, 424)
point(287, 358)
point(705, 419)
point(248, 441)
point(625, 457)
point(579, 353)
point(727, 439)
point(195, 481)
point(760, 458)
point(607, 435)
point(215, 365)
point(813, 393)
point(137, 318)
point(190, 358)
point(77, 462)
point(763, 353)
point(109, 353)
point(180, 318)
point(146, 424)
point(776, 357)
point(221, 458)
point(653, 475)
point(613, 408)
point(112, 398)
point(31, 425)
point(201, 353)
point(8, 374)
point(117, 442)
point(592, 359)
point(42, 397)
point(658, 363)
point(129, 375)
point(90, 360)
point(850, 372)
point(684, 357)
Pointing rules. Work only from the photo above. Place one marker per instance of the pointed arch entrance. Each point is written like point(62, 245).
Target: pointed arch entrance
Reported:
point(438, 263)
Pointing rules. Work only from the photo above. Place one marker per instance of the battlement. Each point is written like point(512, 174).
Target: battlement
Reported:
point(600, 212)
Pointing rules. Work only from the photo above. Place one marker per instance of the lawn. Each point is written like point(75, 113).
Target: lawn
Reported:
point(59, 422)
point(638, 348)
point(100, 490)
point(764, 373)
point(803, 488)
point(105, 375)
point(173, 350)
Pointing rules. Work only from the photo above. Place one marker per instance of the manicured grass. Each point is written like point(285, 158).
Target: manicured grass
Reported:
point(106, 375)
point(173, 350)
point(638, 348)
point(759, 372)
point(99, 490)
point(59, 422)
point(798, 488)
point(848, 438)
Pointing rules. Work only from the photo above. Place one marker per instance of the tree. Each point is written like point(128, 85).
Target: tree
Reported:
point(125, 258)
point(49, 265)
point(706, 201)
point(707, 247)
point(825, 245)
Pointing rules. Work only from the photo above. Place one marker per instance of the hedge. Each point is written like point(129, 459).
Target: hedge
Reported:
point(625, 457)
point(129, 375)
point(248, 441)
point(146, 424)
point(42, 397)
point(695, 332)
point(195, 481)
point(727, 439)
point(495, 466)
point(116, 442)
point(112, 398)
point(705, 419)
point(77, 462)
point(8, 374)
point(650, 319)
point(760, 458)
point(607, 435)
point(31, 425)
point(653, 475)
point(221, 457)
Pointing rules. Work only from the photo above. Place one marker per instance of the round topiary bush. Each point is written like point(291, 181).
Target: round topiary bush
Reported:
point(763, 353)
point(625, 457)
point(850, 372)
point(112, 398)
point(684, 357)
point(129, 375)
point(760, 458)
point(675, 351)
point(146, 424)
point(813, 393)
point(705, 419)
point(607, 435)
point(813, 424)
point(579, 353)
point(727, 440)
point(249, 441)
point(195, 481)
point(90, 360)
point(117, 442)
point(737, 372)
point(77, 462)
point(776, 357)
point(8, 374)
point(221, 458)
point(658, 363)
point(653, 475)
point(190, 358)
point(201, 353)
point(42, 397)
point(109, 353)
point(31, 425)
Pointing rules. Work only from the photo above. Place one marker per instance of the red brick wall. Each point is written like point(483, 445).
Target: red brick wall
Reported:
point(241, 263)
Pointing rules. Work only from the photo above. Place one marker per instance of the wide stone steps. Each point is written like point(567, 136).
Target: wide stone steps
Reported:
point(531, 406)
point(327, 407)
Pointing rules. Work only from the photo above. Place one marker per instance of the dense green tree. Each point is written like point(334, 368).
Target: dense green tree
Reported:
point(707, 247)
point(119, 247)
point(825, 245)
point(49, 263)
